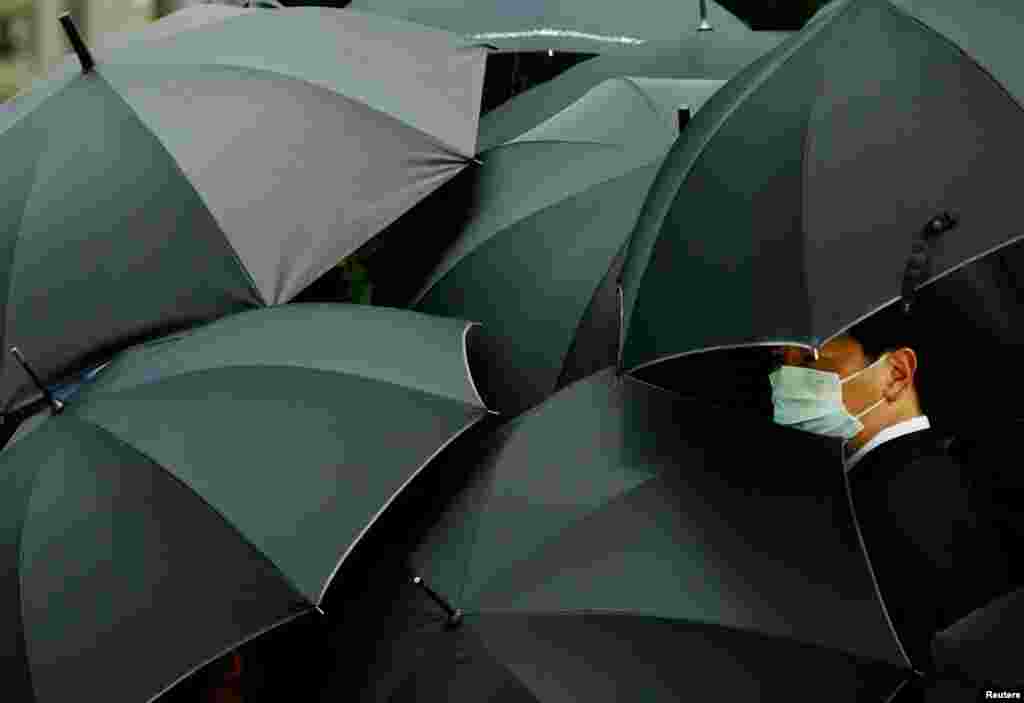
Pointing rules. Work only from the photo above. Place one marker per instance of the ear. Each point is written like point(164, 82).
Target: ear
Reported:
point(902, 366)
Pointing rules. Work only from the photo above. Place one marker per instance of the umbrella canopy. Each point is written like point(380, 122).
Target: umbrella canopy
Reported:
point(617, 540)
point(716, 55)
point(564, 25)
point(537, 260)
point(206, 487)
point(987, 31)
point(853, 135)
point(981, 646)
point(222, 159)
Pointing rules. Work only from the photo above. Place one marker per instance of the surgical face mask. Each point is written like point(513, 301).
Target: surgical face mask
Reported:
point(812, 400)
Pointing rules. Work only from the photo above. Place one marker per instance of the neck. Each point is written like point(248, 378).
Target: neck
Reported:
point(894, 416)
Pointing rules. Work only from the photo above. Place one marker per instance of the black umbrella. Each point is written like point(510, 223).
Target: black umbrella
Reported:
point(620, 541)
point(856, 138)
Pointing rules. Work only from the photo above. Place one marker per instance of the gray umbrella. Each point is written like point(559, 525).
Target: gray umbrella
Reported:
point(220, 159)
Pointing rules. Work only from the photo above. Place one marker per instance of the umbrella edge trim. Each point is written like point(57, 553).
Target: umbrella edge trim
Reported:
point(228, 649)
point(373, 521)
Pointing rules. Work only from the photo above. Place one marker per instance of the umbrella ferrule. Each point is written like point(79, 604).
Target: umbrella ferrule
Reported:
point(454, 614)
point(704, 25)
point(77, 43)
point(56, 405)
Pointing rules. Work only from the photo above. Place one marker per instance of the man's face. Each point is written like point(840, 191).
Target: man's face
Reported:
point(845, 356)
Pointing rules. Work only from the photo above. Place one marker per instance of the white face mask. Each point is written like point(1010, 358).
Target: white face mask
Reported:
point(812, 400)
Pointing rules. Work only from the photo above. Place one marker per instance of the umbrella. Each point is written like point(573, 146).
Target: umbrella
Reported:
point(221, 160)
point(982, 646)
point(717, 55)
point(537, 260)
point(565, 25)
point(618, 541)
point(206, 487)
point(876, 157)
point(987, 31)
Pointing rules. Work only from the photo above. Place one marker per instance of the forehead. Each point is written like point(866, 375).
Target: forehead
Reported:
point(842, 346)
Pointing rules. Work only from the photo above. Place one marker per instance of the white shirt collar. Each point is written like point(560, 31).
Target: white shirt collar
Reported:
point(914, 424)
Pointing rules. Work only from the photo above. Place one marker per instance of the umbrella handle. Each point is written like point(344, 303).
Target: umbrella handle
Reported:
point(919, 263)
point(454, 614)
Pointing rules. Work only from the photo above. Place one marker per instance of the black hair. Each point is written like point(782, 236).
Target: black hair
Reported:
point(889, 330)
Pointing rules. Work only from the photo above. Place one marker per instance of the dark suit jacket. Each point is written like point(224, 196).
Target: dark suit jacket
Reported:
point(936, 539)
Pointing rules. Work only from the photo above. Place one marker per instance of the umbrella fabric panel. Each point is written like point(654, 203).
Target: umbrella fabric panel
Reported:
point(577, 25)
point(988, 31)
point(431, 80)
point(705, 55)
point(106, 175)
point(565, 250)
point(616, 496)
point(576, 656)
point(356, 340)
point(368, 165)
point(301, 485)
point(636, 112)
point(875, 124)
point(612, 657)
point(96, 534)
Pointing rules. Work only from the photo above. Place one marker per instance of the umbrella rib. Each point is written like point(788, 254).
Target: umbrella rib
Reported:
point(620, 612)
point(372, 521)
point(14, 251)
point(767, 72)
point(253, 288)
point(437, 278)
point(895, 9)
point(108, 433)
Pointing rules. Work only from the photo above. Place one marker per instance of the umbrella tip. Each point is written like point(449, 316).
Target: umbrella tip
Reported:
point(704, 25)
point(77, 43)
point(684, 116)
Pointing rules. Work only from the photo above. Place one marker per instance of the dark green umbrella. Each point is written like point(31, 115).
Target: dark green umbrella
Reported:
point(988, 31)
point(620, 542)
point(716, 55)
point(206, 487)
point(537, 259)
point(563, 25)
point(876, 157)
point(221, 159)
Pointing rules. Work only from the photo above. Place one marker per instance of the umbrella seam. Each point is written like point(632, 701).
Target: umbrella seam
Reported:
point(896, 10)
point(10, 280)
point(628, 80)
point(21, 604)
point(535, 213)
point(767, 72)
point(372, 521)
point(618, 612)
point(194, 492)
point(112, 395)
point(253, 288)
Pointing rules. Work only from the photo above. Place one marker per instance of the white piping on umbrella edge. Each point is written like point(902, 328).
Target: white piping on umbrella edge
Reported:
point(469, 372)
point(722, 347)
point(372, 521)
point(229, 649)
point(871, 571)
point(934, 279)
